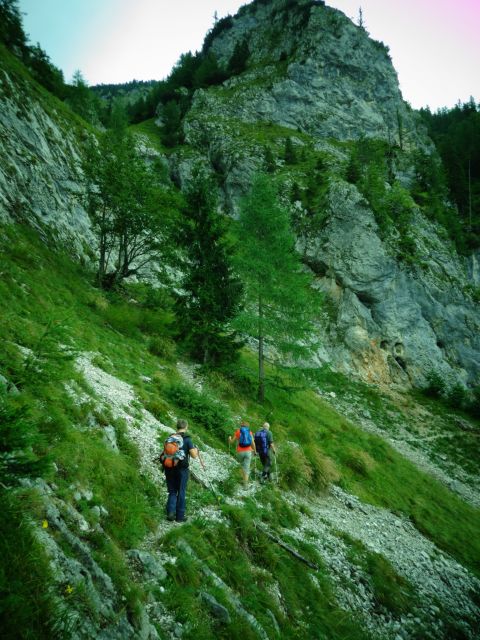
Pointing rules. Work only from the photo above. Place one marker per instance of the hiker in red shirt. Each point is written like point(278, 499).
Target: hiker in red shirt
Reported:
point(245, 447)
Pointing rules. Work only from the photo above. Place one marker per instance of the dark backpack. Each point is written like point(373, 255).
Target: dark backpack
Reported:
point(261, 441)
point(245, 439)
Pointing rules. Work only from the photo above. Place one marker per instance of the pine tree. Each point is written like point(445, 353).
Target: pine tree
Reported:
point(238, 60)
point(290, 154)
point(280, 305)
point(211, 292)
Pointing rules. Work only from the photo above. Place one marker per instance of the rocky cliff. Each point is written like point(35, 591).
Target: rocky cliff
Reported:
point(40, 181)
point(318, 79)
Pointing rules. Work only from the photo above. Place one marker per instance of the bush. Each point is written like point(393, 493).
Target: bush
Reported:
point(436, 385)
point(457, 397)
point(295, 471)
point(203, 409)
point(162, 347)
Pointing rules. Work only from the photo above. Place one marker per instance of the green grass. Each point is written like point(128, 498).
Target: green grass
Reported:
point(149, 129)
point(46, 300)
point(364, 464)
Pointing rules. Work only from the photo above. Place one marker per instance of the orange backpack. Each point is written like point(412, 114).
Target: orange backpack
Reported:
point(172, 451)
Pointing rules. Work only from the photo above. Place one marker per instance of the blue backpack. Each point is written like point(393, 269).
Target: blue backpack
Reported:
point(261, 441)
point(245, 437)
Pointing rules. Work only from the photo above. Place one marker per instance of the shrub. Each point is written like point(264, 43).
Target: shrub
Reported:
point(436, 385)
point(162, 347)
point(202, 408)
point(457, 396)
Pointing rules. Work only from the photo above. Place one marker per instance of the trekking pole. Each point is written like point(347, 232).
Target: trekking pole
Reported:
point(276, 468)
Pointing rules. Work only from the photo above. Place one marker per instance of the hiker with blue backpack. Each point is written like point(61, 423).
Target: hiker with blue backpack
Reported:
point(245, 449)
point(177, 450)
point(264, 444)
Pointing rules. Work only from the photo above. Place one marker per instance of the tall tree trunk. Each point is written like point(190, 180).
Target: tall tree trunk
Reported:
point(261, 371)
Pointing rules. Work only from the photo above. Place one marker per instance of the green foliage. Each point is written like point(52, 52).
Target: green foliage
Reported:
point(11, 28)
point(131, 212)
point(456, 133)
point(210, 290)
point(19, 444)
point(172, 133)
point(290, 154)
point(457, 396)
point(239, 58)
point(309, 219)
point(45, 72)
point(202, 409)
point(280, 306)
point(28, 609)
point(436, 386)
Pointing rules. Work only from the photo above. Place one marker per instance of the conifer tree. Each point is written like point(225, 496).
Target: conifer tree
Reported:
point(280, 306)
point(238, 60)
point(211, 292)
point(290, 153)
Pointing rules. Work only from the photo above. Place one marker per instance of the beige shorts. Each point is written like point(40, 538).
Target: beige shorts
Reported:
point(245, 458)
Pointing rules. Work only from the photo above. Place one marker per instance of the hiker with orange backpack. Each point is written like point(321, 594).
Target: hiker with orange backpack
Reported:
point(245, 449)
point(177, 450)
point(264, 444)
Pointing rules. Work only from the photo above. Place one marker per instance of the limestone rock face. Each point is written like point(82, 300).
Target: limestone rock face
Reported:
point(39, 176)
point(318, 79)
point(316, 71)
point(397, 324)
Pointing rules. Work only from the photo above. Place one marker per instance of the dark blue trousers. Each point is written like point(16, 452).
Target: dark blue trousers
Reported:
point(266, 463)
point(177, 479)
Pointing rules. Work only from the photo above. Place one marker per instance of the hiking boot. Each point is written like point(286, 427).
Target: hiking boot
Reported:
point(184, 519)
point(170, 517)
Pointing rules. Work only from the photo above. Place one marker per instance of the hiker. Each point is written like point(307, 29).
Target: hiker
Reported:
point(264, 444)
point(245, 447)
point(178, 448)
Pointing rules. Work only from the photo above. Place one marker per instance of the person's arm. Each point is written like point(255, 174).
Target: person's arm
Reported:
point(271, 444)
point(253, 444)
point(193, 452)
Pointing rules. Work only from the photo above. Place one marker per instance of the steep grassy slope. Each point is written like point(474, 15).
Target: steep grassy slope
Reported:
point(51, 318)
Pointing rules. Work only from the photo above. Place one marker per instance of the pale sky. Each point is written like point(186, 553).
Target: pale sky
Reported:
point(434, 44)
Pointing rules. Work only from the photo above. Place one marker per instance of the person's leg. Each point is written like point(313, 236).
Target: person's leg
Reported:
point(182, 494)
point(245, 460)
point(263, 461)
point(266, 465)
point(171, 476)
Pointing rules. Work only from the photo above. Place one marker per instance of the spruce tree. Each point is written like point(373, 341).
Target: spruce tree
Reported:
point(211, 292)
point(280, 304)
point(238, 60)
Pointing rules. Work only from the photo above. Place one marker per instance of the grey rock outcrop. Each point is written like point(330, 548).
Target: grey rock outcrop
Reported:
point(40, 180)
point(315, 77)
point(397, 324)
